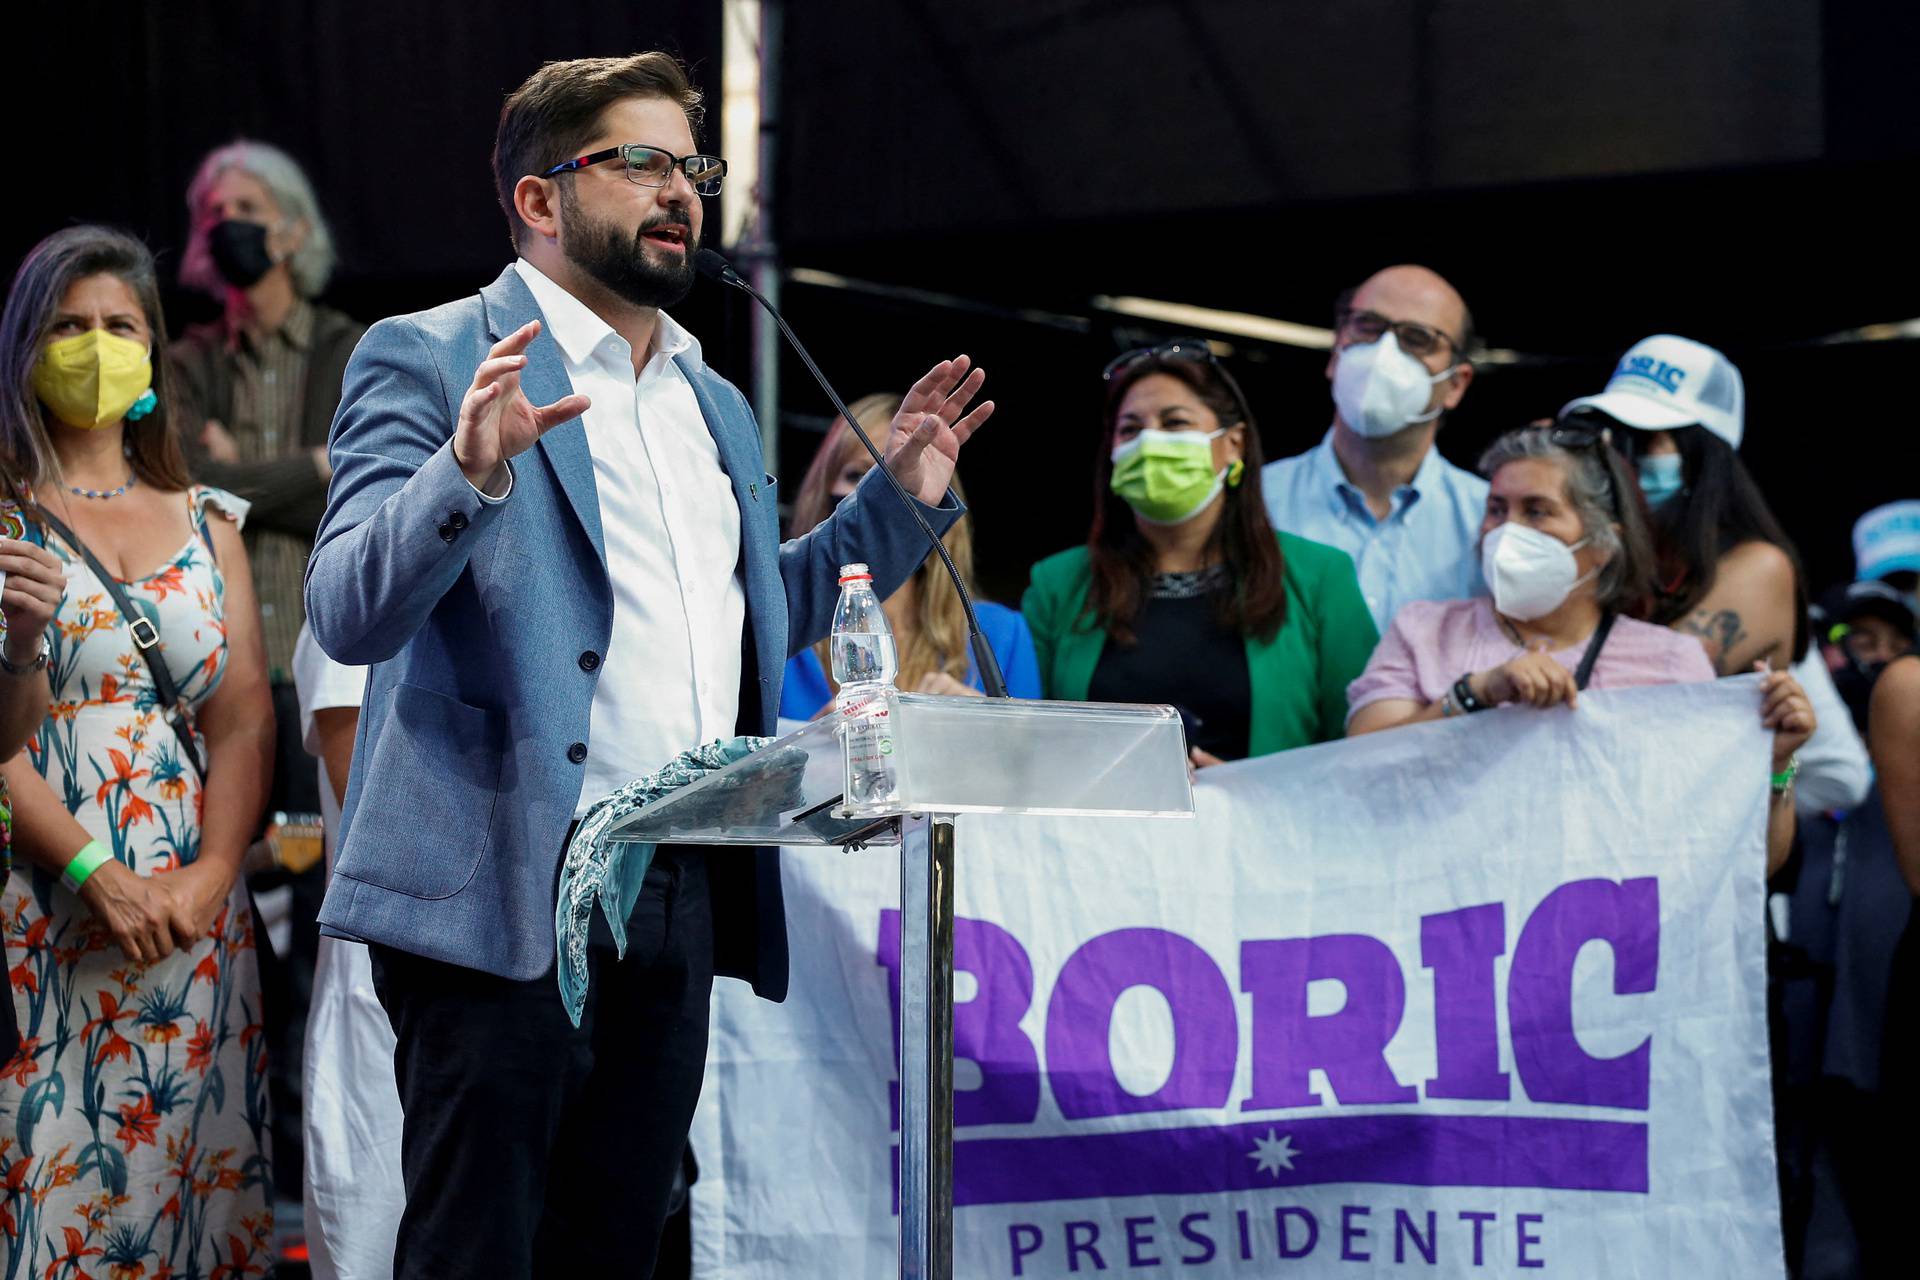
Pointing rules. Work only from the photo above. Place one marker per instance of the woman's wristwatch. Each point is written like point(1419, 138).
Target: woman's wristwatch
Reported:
point(1466, 699)
point(39, 663)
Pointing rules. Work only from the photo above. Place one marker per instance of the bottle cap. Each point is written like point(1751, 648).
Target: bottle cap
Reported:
point(854, 573)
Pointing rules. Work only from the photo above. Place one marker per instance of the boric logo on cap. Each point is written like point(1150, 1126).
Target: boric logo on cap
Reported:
point(1666, 382)
point(1667, 377)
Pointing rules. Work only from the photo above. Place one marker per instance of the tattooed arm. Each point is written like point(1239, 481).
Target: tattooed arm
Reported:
point(1721, 632)
point(1749, 614)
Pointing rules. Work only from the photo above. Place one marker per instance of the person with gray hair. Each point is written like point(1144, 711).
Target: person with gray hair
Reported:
point(1565, 551)
point(261, 383)
point(258, 390)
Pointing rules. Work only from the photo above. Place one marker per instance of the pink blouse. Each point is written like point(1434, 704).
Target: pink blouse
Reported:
point(1432, 643)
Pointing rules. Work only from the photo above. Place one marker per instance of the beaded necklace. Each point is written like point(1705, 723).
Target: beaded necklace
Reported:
point(102, 493)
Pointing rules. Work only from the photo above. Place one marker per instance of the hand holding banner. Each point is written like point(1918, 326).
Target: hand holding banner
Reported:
point(1472, 997)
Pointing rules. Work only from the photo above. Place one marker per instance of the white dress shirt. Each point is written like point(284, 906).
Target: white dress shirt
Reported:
point(1835, 771)
point(670, 678)
point(1427, 548)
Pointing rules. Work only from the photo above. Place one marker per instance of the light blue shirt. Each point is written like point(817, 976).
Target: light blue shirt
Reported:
point(1426, 548)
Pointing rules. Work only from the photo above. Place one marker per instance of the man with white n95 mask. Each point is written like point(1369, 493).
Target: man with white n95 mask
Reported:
point(1375, 486)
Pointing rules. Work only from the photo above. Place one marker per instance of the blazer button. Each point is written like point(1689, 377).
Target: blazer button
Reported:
point(458, 520)
point(447, 534)
point(589, 661)
point(577, 752)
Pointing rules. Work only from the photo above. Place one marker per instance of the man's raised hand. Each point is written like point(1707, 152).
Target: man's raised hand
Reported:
point(497, 422)
point(930, 428)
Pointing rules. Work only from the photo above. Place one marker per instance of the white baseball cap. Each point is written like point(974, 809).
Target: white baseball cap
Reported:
point(1666, 382)
point(1887, 540)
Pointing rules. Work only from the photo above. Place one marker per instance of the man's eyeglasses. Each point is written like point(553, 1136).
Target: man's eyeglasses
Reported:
point(1415, 339)
point(1180, 349)
point(652, 167)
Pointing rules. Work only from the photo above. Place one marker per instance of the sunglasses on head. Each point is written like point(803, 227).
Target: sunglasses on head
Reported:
point(1194, 349)
point(1573, 433)
point(1577, 433)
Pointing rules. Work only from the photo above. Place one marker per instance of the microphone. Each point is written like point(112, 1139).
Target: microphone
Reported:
point(714, 267)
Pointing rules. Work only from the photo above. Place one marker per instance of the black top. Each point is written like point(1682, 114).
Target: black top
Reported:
point(1186, 658)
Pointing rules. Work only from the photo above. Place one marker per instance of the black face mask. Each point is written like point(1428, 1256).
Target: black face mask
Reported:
point(1854, 683)
point(239, 250)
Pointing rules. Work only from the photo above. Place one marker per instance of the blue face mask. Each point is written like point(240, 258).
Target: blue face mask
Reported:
point(1660, 477)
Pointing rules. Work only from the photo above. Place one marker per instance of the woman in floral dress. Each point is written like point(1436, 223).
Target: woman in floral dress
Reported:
point(133, 1114)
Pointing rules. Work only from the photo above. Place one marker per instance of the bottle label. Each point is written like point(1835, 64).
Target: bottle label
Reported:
point(866, 730)
point(871, 706)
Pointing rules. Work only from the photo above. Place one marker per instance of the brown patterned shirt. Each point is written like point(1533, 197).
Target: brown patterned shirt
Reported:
point(269, 381)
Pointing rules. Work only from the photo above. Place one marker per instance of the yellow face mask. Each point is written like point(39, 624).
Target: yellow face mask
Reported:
point(92, 378)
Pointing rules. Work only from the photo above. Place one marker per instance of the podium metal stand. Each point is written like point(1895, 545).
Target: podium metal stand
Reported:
point(952, 756)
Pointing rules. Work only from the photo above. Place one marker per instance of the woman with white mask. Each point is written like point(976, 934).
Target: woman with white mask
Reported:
point(1566, 554)
point(1183, 593)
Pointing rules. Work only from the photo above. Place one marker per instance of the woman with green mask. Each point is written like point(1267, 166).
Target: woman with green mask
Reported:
point(140, 1069)
point(1184, 594)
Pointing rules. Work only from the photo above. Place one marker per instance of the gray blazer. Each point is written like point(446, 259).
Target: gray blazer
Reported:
point(485, 626)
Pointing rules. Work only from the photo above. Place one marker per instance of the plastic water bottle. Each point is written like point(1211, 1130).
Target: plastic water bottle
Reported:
point(864, 665)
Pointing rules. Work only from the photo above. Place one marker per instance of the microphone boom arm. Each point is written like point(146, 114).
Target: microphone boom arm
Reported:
point(983, 659)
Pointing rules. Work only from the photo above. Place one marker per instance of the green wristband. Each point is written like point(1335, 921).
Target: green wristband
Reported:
point(91, 858)
point(1784, 779)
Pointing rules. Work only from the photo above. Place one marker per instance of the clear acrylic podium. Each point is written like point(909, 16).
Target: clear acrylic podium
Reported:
point(952, 755)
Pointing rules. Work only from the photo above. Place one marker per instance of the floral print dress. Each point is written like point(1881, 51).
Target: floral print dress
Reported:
point(133, 1115)
point(9, 1033)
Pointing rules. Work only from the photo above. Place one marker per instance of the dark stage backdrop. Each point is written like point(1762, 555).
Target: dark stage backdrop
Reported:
point(389, 106)
point(1758, 263)
point(1065, 109)
point(1734, 170)
point(1738, 170)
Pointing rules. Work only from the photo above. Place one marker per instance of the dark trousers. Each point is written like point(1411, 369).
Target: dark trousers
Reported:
point(533, 1148)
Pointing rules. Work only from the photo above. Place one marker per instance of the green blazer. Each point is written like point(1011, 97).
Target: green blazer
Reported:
point(1299, 678)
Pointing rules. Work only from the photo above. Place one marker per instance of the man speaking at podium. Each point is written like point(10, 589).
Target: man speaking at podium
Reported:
point(551, 532)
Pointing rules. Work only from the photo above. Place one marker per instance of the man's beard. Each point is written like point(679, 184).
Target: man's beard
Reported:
point(619, 261)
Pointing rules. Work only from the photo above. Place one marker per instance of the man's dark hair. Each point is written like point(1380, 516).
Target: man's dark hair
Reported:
point(554, 114)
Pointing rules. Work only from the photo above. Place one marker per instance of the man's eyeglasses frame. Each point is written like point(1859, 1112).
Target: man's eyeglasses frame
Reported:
point(714, 169)
point(1415, 339)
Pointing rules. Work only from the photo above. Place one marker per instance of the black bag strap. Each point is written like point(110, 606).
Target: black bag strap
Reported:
point(146, 638)
point(1592, 655)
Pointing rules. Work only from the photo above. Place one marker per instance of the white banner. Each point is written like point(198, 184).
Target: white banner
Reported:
point(1479, 997)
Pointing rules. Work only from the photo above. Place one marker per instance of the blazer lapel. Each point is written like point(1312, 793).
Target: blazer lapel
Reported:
point(734, 435)
point(509, 305)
